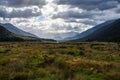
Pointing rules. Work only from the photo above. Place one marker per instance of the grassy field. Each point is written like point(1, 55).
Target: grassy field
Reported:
point(59, 61)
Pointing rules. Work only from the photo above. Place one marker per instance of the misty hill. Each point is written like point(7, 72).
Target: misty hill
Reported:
point(6, 35)
point(16, 30)
point(62, 36)
point(90, 31)
point(108, 31)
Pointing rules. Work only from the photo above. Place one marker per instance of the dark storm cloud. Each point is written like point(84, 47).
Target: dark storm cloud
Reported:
point(27, 13)
point(91, 10)
point(118, 11)
point(87, 22)
point(22, 3)
point(90, 4)
point(76, 15)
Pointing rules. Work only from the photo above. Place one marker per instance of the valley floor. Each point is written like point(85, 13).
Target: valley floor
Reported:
point(59, 61)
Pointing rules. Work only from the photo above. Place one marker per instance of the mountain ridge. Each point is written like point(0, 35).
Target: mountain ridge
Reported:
point(7, 35)
point(104, 33)
point(16, 30)
point(89, 31)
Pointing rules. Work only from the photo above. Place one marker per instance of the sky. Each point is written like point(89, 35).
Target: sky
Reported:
point(57, 19)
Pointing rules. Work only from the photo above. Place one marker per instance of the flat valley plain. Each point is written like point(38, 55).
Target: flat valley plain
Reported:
point(59, 61)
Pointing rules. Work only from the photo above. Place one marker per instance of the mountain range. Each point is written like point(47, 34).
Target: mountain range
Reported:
point(107, 31)
point(16, 30)
point(9, 32)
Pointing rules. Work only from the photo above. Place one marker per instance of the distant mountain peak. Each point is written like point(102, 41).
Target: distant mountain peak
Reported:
point(16, 30)
point(8, 32)
point(107, 31)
